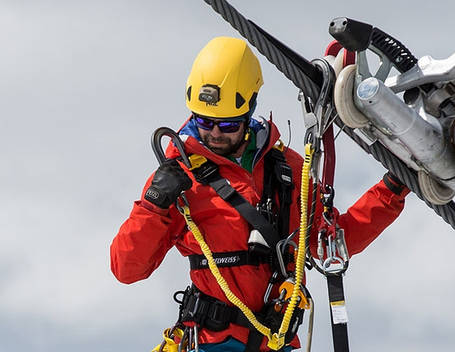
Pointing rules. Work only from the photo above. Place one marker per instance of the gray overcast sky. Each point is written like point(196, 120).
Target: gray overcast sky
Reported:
point(82, 86)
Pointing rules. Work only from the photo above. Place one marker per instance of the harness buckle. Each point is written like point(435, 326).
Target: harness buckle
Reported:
point(284, 173)
point(196, 161)
point(266, 209)
point(205, 311)
point(217, 316)
point(203, 168)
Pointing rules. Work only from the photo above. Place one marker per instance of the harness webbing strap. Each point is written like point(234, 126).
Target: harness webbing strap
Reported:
point(227, 259)
point(254, 341)
point(248, 212)
point(328, 173)
point(278, 179)
point(208, 174)
point(209, 312)
point(338, 313)
point(224, 189)
point(215, 315)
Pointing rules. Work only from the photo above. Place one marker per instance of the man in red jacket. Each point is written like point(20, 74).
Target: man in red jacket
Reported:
point(221, 94)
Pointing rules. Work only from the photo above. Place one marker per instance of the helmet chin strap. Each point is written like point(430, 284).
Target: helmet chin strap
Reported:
point(247, 120)
point(247, 134)
point(247, 129)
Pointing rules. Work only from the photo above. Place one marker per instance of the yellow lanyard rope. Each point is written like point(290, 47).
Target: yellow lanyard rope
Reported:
point(277, 340)
point(219, 279)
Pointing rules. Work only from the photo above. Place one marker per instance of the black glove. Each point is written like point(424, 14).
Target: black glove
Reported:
point(393, 183)
point(169, 181)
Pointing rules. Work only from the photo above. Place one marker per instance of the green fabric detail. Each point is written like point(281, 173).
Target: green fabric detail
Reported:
point(248, 155)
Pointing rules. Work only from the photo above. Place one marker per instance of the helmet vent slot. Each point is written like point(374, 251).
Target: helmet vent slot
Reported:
point(239, 100)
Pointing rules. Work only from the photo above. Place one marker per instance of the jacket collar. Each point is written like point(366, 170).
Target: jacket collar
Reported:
point(267, 135)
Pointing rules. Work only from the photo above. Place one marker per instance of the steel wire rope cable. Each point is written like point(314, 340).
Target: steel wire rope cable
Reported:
point(399, 168)
point(265, 47)
point(293, 73)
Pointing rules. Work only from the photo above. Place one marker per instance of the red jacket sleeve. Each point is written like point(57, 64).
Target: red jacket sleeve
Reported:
point(370, 215)
point(143, 240)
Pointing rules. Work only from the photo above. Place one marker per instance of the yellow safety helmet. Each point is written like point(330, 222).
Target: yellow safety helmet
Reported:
point(224, 80)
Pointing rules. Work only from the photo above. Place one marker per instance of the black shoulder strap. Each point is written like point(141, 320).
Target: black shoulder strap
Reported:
point(278, 178)
point(208, 174)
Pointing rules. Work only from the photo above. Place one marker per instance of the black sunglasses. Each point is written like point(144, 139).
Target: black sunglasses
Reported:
point(224, 126)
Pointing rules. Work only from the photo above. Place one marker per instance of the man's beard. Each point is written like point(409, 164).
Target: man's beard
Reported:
point(229, 149)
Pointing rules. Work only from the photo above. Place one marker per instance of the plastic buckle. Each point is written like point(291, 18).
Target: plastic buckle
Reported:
point(216, 312)
point(205, 171)
point(284, 173)
point(196, 161)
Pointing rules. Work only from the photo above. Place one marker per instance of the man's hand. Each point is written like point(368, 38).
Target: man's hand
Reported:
point(169, 181)
point(393, 183)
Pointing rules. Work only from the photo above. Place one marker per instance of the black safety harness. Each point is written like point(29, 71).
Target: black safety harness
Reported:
point(271, 219)
point(277, 177)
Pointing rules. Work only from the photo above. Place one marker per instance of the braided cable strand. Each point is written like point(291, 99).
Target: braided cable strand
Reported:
point(265, 47)
point(406, 175)
point(409, 178)
point(293, 73)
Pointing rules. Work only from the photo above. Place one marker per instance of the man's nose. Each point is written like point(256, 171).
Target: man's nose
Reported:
point(216, 131)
